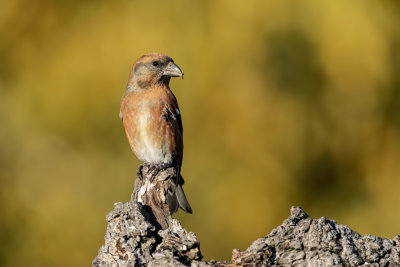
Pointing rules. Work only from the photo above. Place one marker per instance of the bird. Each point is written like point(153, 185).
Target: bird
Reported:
point(152, 120)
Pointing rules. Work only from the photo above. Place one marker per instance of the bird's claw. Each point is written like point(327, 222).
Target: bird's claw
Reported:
point(154, 170)
point(139, 172)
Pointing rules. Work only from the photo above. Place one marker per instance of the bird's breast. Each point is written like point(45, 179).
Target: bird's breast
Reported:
point(147, 134)
point(155, 136)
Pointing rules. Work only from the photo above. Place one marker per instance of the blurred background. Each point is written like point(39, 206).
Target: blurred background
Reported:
point(283, 103)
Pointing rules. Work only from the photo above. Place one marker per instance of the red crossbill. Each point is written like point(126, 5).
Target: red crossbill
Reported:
point(152, 120)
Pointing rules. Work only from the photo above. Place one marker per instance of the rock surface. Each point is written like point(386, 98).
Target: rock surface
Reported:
point(300, 241)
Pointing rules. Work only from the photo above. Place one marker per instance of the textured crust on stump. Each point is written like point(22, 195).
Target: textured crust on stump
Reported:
point(151, 195)
point(136, 236)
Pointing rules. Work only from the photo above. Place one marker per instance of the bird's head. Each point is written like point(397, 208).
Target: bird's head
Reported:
point(151, 70)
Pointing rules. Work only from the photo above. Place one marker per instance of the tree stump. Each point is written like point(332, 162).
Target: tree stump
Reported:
point(141, 232)
point(150, 193)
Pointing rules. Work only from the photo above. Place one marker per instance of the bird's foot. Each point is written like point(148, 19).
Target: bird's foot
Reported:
point(155, 169)
point(139, 172)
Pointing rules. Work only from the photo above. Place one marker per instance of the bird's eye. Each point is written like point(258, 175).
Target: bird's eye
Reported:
point(155, 63)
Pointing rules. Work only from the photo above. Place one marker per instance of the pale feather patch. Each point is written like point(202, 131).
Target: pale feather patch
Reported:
point(147, 150)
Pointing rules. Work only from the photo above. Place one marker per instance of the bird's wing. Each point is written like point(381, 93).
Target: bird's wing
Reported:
point(171, 112)
point(179, 118)
point(177, 114)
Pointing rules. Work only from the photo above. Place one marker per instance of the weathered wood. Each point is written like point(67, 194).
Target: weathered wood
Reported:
point(151, 191)
point(142, 233)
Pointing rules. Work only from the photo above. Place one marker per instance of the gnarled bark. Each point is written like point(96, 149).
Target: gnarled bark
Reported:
point(142, 233)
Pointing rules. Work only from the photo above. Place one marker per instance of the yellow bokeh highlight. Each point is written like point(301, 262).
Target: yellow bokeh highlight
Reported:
point(283, 103)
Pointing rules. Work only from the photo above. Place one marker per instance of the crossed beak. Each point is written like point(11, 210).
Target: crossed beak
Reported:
point(172, 70)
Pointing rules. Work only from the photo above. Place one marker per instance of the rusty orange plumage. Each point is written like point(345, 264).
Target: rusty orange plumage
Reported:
point(152, 120)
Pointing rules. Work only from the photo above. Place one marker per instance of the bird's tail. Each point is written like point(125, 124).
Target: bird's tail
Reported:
point(178, 199)
point(183, 202)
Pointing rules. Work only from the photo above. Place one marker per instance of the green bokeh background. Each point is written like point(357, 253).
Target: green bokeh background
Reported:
point(283, 103)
